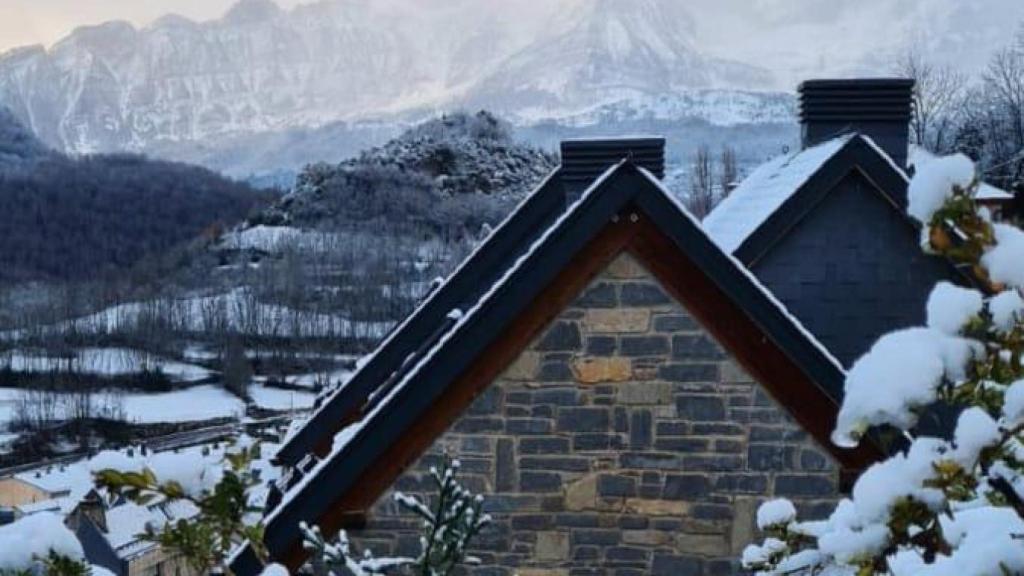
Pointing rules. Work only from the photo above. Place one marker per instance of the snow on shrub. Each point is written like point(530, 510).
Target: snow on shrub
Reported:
point(901, 372)
point(934, 182)
point(951, 307)
point(1005, 261)
point(1006, 308)
point(975, 430)
point(775, 512)
point(1013, 404)
point(934, 507)
point(25, 541)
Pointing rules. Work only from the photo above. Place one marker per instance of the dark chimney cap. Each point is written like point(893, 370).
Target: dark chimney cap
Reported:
point(585, 159)
point(880, 108)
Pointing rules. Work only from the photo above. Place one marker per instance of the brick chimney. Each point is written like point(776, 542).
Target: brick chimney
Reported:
point(876, 107)
point(584, 160)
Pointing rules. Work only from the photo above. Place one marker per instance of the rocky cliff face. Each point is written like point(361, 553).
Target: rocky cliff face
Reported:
point(177, 84)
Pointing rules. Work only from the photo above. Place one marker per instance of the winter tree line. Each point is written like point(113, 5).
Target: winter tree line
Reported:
point(981, 117)
point(65, 218)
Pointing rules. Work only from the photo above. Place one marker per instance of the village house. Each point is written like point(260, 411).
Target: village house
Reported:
point(825, 227)
point(612, 375)
point(111, 533)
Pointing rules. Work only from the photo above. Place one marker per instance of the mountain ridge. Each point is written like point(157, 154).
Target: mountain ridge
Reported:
point(261, 69)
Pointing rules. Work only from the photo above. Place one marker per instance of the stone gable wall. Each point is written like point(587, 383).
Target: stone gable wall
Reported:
point(623, 441)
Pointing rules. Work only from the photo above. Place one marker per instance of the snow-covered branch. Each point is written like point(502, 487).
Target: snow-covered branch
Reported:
point(944, 507)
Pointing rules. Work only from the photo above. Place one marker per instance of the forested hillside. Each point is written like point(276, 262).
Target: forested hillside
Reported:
point(65, 218)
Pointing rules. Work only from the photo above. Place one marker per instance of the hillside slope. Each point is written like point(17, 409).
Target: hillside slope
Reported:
point(450, 174)
point(63, 218)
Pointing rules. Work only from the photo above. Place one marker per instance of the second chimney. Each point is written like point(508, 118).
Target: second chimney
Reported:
point(584, 160)
point(879, 108)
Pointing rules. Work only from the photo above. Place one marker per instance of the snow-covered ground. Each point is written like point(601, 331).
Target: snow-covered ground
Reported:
point(193, 404)
point(277, 238)
point(279, 399)
point(102, 362)
point(237, 310)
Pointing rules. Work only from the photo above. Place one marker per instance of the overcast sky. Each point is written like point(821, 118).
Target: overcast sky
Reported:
point(792, 38)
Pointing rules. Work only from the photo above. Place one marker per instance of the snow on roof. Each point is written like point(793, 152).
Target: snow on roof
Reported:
point(764, 191)
point(920, 156)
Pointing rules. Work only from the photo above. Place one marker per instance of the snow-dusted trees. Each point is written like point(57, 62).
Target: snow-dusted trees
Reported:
point(938, 96)
point(226, 517)
point(939, 506)
point(448, 527)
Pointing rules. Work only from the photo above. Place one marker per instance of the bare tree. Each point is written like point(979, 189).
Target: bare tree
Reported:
point(938, 92)
point(237, 372)
point(702, 195)
point(728, 171)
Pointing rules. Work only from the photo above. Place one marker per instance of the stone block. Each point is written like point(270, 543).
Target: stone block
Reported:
point(561, 336)
point(651, 538)
point(583, 419)
point(552, 546)
point(528, 426)
point(524, 367)
point(700, 408)
point(687, 372)
point(673, 565)
point(601, 345)
point(695, 347)
point(581, 494)
point(706, 545)
point(540, 482)
point(555, 463)
point(599, 295)
point(616, 320)
point(690, 487)
point(505, 468)
point(544, 445)
point(645, 393)
point(643, 294)
point(807, 485)
point(643, 346)
point(591, 370)
point(657, 507)
point(640, 429)
point(616, 485)
point(675, 323)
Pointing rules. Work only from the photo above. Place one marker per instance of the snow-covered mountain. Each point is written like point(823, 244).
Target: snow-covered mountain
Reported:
point(185, 89)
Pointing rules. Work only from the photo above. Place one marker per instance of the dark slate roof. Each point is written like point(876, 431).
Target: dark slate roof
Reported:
point(450, 330)
point(826, 230)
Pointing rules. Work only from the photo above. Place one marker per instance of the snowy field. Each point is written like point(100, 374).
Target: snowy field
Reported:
point(237, 310)
point(193, 404)
point(102, 362)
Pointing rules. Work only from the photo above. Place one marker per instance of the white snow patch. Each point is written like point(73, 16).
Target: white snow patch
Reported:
point(775, 512)
point(899, 373)
point(35, 536)
point(975, 430)
point(1005, 260)
point(764, 191)
point(1007, 308)
point(951, 307)
point(933, 184)
point(1013, 404)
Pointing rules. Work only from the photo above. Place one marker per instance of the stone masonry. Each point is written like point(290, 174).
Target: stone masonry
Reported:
point(623, 441)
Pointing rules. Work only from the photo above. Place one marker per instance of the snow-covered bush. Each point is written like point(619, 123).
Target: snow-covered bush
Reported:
point(448, 528)
point(40, 544)
point(945, 507)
